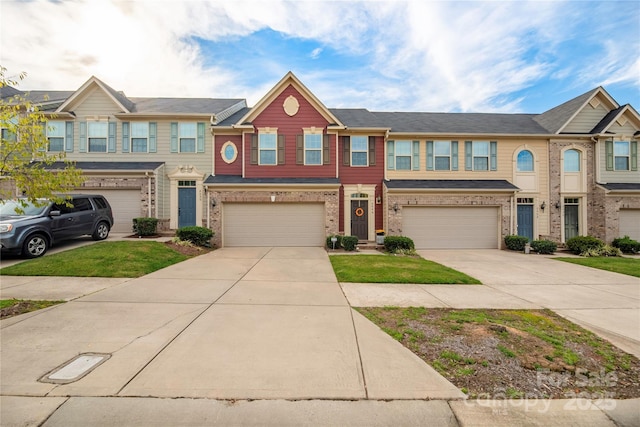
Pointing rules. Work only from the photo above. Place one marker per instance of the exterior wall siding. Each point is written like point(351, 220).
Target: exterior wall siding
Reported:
point(289, 126)
point(222, 167)
point(586, 119)
point(330, 199)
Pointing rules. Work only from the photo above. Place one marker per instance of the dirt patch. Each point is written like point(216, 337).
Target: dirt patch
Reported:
point(188, 250)
point(21, 307)
point(513, 353)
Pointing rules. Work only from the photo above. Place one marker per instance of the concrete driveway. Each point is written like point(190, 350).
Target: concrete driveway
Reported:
point(603, 302)
point(237, 323)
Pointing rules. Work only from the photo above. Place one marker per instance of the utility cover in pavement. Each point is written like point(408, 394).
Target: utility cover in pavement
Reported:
point(76, 368)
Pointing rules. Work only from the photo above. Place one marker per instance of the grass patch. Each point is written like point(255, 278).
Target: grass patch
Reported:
point(13, 307)
point(395, 269)
point(514, 353)
point(628, 266)
point(104, 259)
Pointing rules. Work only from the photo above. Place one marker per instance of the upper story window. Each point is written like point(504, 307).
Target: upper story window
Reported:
point(403, 155)
point(621, 155)
point(359, 151)
point(229, 152)
point(442, 155)
point(572, 161)
point(186, 137)
point(313, 149)
point(525, 161)
point(55, 136)
point(8, 135)
point(97, 134)
point(267, 148)
point(140, 137)
point(481, 155)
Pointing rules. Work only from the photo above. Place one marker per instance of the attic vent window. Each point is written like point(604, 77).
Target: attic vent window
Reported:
point(291, 106)
point(622, 121)
point(594, 103)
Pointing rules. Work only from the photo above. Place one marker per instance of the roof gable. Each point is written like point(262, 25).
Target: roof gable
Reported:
point(558, 118)
point(619, 120)
point(118, 98)
point(289, 80)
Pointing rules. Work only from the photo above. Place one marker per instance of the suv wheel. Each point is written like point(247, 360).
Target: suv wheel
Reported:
point(35, 245)
point(101, 232)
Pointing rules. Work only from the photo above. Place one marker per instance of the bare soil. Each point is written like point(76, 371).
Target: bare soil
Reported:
point(513, 354)
point(21, 307)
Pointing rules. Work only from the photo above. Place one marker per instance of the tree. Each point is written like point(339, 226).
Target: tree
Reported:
point(24, 155)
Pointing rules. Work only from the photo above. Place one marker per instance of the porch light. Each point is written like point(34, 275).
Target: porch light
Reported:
point(273, 198)
point(543, 205)
point(395, 207)
point(213, 202)
point(557, 205)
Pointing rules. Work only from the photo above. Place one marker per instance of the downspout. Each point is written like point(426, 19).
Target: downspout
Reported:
point(208, 209)
point(384, 150)
point(148, 194)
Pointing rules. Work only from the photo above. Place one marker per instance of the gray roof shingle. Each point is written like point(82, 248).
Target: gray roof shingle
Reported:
point(554, 119)
point(110, 166)
point(451, 184)
point(622, 186)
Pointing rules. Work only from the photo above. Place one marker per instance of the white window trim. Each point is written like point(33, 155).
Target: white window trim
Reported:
point(307, 132)
point(235, 149)
point(131, 137)
point(351, 151)
point(628, 156)
point(533, 160)
point(474, 156)
point(435, 156)
point(106, 135)
point(268, 131)
point(63, 136)
point(395, 154)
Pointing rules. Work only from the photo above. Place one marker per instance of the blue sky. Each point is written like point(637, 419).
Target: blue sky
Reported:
point(500, 56)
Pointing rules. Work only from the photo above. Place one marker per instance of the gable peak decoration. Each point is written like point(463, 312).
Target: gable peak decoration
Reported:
point(291, 106)
point(289, 80)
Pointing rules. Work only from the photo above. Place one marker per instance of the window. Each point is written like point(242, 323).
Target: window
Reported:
point(313, 149)
point(359, 151)
point(621, 155)
point(139, 137)
point(403, 155)
point(525, 161)
point(480, 155)
point(55, 136)
point(8, 135)
point(442, 155)
point(572, 161)
point(98, 133)
point(229, 152)
point(267, 149)
point(187, 137)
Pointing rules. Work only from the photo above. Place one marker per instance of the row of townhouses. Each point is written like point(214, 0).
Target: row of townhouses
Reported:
point(290, 171)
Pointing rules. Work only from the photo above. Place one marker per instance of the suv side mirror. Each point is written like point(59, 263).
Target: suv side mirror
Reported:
point(54, 213)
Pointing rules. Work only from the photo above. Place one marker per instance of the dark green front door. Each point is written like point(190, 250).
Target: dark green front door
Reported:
point(571, 221)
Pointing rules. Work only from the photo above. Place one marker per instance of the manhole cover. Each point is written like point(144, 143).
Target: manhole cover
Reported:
point(75, 368)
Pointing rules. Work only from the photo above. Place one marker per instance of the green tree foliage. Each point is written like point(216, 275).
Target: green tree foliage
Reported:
point(23, 149)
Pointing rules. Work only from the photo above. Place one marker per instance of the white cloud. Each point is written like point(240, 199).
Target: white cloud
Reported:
point(413, 55)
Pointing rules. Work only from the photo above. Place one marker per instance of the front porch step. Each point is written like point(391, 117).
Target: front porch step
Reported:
point(363, 244)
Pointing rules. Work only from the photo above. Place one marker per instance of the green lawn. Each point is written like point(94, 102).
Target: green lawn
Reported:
point(395, 269)
point(629, 266)
point(104, 259)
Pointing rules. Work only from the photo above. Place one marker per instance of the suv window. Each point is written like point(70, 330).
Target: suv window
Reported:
point(81, 205)
point(100, 203)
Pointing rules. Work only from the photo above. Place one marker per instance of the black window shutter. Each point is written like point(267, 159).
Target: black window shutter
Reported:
point(299, 149)
point(326, 151)
point(346, 150)
point(281, 139)
point(254, 148)
point(372, 151)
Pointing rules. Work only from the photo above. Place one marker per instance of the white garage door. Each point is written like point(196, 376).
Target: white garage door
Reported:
point(630, 223)
point(125, 205)
point(451, 227)
point(273, 224)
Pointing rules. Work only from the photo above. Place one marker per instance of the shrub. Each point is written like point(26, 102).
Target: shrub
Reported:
point(626, 244)
point(338, 242)
point(581, 244)
point(199, 236)
point(515, 243)
point(604, 250)
point(396, 244)
point(544, 246)
point(349, 243)
point(145, 226)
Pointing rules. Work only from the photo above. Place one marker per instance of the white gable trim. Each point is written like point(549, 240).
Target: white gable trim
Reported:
point(599, 91)
point(86, 87)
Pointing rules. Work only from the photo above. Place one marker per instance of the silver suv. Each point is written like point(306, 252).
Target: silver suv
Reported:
point(30, 229)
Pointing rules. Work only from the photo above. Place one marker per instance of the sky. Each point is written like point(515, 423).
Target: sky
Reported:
point(439, 56)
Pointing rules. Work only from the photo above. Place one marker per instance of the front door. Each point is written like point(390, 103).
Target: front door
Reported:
point(186, 207)
point(525, 221)
point(571, 219)
point(360, 219)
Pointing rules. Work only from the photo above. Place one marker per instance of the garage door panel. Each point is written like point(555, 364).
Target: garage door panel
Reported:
point(125, 205)
point(282, 224)
point(630, 223)
point(451, 227)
